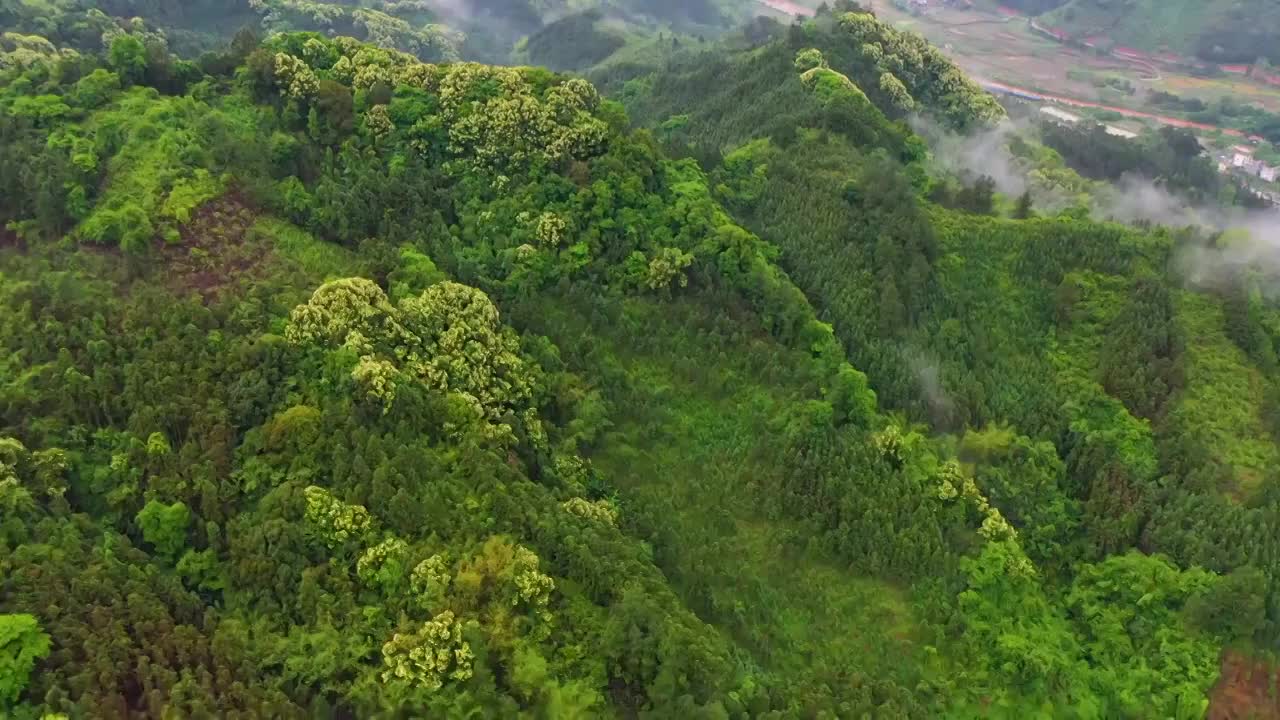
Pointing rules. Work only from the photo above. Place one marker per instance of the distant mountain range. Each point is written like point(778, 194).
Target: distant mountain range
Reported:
point(432, 30)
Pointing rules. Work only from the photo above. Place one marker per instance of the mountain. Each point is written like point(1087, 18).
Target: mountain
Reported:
point(335, 383)
point(431, 30)
point(962, 320)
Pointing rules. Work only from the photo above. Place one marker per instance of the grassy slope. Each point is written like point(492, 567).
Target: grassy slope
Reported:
point(177, 189)
point(697, 443)
point(1224, 394)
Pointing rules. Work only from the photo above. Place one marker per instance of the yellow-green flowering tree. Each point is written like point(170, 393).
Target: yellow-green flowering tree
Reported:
point(432, 655)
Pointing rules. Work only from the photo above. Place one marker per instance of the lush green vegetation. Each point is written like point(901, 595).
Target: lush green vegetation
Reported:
point(1156, 399)
point(1172, 157)
point(336, 384)
point(562, 33)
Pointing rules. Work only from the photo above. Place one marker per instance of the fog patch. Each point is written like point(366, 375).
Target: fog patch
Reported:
point(1216, 245)
point(1246, 242)
point(928, 378)
point(453, 9)
point(971, 156)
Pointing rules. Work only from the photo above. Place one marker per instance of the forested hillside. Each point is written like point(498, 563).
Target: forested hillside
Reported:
point(487, 30)
point(338, 384)
point(1158, 397)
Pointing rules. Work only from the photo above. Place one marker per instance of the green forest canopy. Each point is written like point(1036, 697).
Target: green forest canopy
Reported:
point(334, 383)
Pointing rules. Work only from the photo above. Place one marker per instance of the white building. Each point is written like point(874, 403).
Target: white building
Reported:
point(1243, 160)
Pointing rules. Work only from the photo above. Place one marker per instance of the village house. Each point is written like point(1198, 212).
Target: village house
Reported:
point(1244, 161)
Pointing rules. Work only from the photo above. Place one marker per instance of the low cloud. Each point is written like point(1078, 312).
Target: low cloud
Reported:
point(1248, 241)
point(453, 9)
point(1223, 241)
point(929, 379)
point(972, 156)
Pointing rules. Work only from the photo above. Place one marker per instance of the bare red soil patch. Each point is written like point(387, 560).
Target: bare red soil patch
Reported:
point(1247, 689)
point(215, 250)
point(9, 238)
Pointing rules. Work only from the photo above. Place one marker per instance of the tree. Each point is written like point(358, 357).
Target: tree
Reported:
point(809, 59)
point(1140, 359)
point(978, 198)
point(259, 72)
point(335, 522)
point(1024, 480)
point(429, 656)
point(165, 526)
point(897, 93)
point(1022, 210)
point(96, 88)
point(667, 267)
point(333, 115)
point(21, 645)
point(246, 41)
point(1129, 610)
point(1235, 607)
point(450, 338)
point(128, 57)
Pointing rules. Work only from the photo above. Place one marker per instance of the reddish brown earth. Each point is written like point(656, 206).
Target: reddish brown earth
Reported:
point(1247, 689)
point(9, 238)
point(214, 251)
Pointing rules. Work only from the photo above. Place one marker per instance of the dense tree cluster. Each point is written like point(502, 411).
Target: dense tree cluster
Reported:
point(1068, 343)
point(333, 383)
point(921, 70)
point(1171, 157)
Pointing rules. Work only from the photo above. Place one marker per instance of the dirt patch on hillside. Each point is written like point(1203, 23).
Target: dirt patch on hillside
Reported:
point(10, 239)
point(1247, 688)
point(216, 249)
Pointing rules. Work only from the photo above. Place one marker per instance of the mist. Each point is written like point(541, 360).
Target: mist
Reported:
point(929, 380)
point(971, 156)
point(1248, 242)
point(453, 9)
point(1225, 241)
